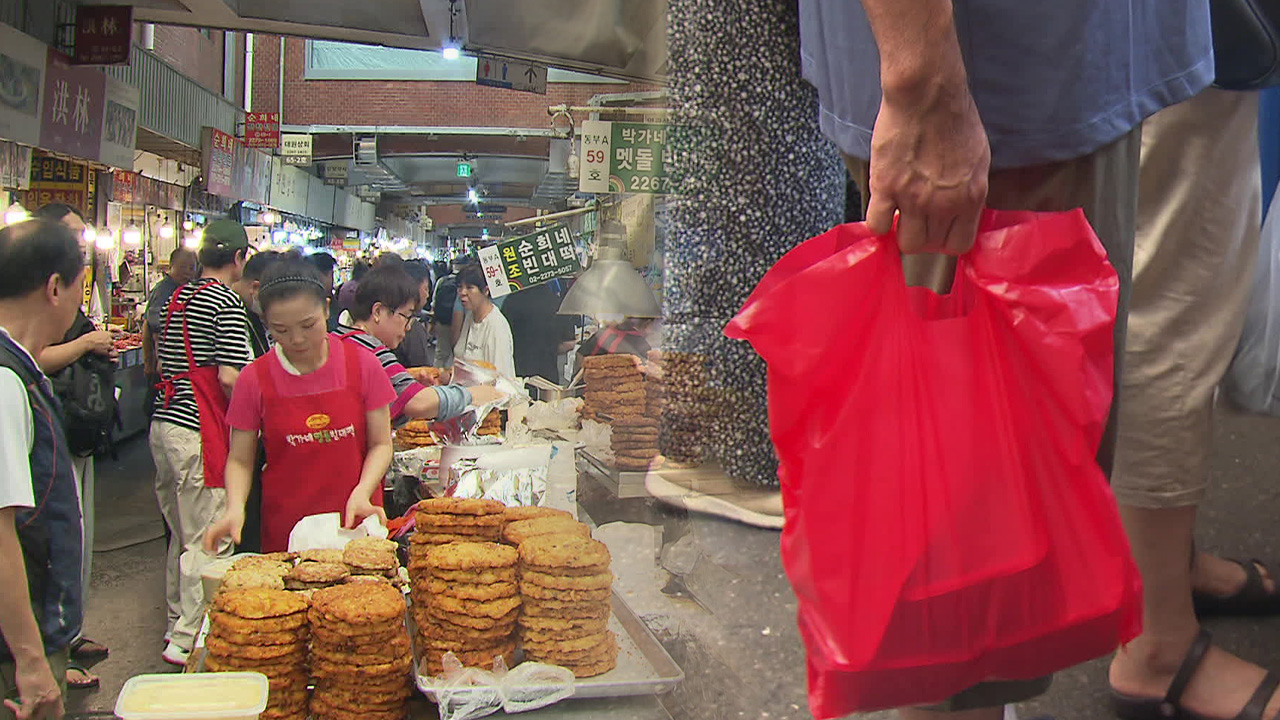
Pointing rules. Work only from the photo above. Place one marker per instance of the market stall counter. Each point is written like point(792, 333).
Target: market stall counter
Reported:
point(133, 389)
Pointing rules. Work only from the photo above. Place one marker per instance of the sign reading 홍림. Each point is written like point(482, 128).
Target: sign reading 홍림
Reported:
point(620, 157)
point(520, 263)
point(102, 34)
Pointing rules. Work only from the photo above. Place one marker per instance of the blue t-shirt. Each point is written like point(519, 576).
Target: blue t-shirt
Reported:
point(1052, 79)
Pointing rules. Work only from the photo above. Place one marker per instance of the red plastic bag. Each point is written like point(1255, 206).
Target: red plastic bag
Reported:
point(946, 521)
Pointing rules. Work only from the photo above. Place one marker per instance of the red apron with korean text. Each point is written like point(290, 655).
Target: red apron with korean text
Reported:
point(211, 400)
point(315, 448)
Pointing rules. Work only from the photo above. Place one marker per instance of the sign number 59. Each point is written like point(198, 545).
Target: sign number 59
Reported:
point(595, 156)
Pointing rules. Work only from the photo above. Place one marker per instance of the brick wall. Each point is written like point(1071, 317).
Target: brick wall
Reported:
point(191, 53)
point(398, 102)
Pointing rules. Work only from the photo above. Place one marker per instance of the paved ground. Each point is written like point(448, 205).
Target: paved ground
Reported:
point(718, 600)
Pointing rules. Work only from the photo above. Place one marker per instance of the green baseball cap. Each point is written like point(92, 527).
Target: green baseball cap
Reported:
point(224, 235)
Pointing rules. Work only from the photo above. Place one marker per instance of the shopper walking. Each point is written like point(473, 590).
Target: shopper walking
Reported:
point(41, 287)
point(321, 408)
point(444, 317)
point(485, 334)
point(204, 344)
point(81, 369)
point(1041, 110)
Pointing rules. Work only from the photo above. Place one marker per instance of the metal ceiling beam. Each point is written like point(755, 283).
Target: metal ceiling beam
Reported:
point(220, 15)
point(418, 130)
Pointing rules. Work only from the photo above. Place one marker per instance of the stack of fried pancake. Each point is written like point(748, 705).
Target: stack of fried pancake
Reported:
point(263, 630)
point(315, 575)
point(415, 434)
point(614, 385)
point(444, 520)
point(373, 560)
point(635, 442)
point(565, 585)
point(360, 653)
point(466, 602)
point(491, 425)
point(528, 512)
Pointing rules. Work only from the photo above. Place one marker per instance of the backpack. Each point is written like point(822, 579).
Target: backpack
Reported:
point(87, 389)
point(442, 303)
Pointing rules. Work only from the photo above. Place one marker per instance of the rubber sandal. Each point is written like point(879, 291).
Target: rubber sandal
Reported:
point(79, 652)
point(1251, 600)
point(1130, 707)
point(92, 681)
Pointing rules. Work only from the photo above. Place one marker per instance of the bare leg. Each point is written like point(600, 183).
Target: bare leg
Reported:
point(1161, 541)
point(991, 713)
point(1216, 576)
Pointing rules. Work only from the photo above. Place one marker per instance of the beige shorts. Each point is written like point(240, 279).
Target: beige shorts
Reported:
point(1199, 215)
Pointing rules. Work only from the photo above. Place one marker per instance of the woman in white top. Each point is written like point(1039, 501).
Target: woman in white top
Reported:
point(485, 333)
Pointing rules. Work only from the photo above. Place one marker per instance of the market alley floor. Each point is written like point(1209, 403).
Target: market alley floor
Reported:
point(714, 593)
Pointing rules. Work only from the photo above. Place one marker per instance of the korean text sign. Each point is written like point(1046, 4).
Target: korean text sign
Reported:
point(520, 263)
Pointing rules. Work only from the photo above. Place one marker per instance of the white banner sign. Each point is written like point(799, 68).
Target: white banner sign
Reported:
point(22, 62)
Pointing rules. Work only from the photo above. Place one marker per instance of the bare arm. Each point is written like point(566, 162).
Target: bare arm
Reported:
point(57, 357)
point(37, 689)
point(242, 456)
point(929, 150)
point(227, 377)
point(425, 405)
point(376, 461)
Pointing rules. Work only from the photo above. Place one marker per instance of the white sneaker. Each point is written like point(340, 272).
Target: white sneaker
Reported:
point(175, 655)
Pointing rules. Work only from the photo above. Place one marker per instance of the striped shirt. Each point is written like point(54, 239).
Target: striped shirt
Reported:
point(401, 381)
point(219, 327)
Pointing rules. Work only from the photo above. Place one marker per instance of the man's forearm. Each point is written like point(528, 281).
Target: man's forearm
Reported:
point(57, 357)
point(17, 622)
point(917, 43)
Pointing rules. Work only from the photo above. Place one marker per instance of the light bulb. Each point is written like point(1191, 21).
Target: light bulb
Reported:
point(191, 241)
point(166, 231)
point(15, 214)
point(451, 53)
point(132, 236)
point(90, 235)
point(472, 196)
point(106, 240)
point(188, 225)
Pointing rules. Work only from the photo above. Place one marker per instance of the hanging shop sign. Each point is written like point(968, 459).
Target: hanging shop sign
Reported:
point(620, 157)
point(520, 263)
point(500, 72)
point(295, 148)
point(22, 60)
point(262, 130)
point(103, 34)
point(57, 180)
point(136, 189)
point(119, 124)
point(335, 174)
point(71, 122)
point(233, 170)
point(15, 166)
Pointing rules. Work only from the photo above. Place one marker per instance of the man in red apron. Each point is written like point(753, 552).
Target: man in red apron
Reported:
point(203, 345)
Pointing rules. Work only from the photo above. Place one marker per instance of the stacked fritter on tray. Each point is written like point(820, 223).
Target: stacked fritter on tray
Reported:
point(635, 442)
point(360, 653)
point(372, 560)
point(263, 630)
point(685, 414)
point(491, 425)
point(466, 602)
point(520, 530)
point(415, 434)
point(565, 585)
point(258, 571)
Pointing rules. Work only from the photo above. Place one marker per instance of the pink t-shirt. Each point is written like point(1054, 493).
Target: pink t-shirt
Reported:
point(246, 410)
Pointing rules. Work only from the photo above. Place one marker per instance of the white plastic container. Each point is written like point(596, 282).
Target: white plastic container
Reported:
point(194, 696)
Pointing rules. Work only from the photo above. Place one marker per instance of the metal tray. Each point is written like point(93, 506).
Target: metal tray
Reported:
point(644, 667)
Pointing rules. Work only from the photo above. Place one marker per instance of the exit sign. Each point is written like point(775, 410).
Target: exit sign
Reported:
point(464, 169)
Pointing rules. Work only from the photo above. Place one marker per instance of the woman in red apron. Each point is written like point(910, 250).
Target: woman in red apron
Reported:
point(321, 407)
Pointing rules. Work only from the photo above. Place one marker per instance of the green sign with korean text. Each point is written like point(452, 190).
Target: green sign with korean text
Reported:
point(622, 157)
point(520, 263)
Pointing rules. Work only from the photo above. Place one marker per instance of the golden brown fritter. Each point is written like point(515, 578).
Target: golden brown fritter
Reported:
point(538, 592)
point(460, 506)
point(493, 575)
point(258, 603)
point(240, 579)
point(431, 628)
point(566, 645)
point(498, 608)
point(563, 551)
point(262, 564)
point(370, 604)
point(424, 538)
point(369, 559)
point(324, 668)
point(318, 572)
point(468, 591)
point(600, 581)
point(471, 556)
point(457, 520)
point(224, 648)
point(479, 623)
point(555, 609)
point(284, 623)
point(517, 532)
point(322, 556)
point(529, 512)
point(569, 627)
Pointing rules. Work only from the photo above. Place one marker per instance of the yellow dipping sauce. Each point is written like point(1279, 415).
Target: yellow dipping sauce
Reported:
point(204, 695)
